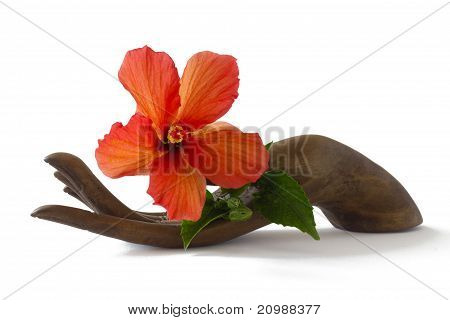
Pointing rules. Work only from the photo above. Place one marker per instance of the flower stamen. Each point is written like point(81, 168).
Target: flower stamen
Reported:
point(176, 134)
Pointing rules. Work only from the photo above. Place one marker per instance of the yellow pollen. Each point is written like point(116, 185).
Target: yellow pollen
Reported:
point(176, 134)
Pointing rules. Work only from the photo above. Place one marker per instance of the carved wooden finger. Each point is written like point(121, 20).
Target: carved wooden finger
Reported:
point(74, 194)
point(74, 173)
point(111, 226)
point(162, 234)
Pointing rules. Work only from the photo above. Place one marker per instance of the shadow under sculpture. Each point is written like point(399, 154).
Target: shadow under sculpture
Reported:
point(353, 192)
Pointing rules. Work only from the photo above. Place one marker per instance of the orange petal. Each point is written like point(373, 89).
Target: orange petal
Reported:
point(152, 79)
point(128, 150)
point(227, 156)
point(178, 187)
point(209, 86)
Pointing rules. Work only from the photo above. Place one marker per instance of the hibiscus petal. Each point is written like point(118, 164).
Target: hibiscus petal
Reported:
point(153, 80)
point(128, 150)
point(209, 86)
point(226, 156)
point(178, 187)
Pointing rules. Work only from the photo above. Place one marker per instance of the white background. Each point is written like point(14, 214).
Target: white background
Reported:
point(392, 107)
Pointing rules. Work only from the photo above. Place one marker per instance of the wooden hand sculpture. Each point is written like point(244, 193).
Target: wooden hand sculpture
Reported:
point(352, 191)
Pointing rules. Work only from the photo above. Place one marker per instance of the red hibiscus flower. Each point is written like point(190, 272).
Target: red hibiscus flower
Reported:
point(173, 136)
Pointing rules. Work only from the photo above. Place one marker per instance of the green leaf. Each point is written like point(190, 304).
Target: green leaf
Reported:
point(234, 203)
point(241, 213)
point(282, 200)
point(189, 229)
point(268, 145)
